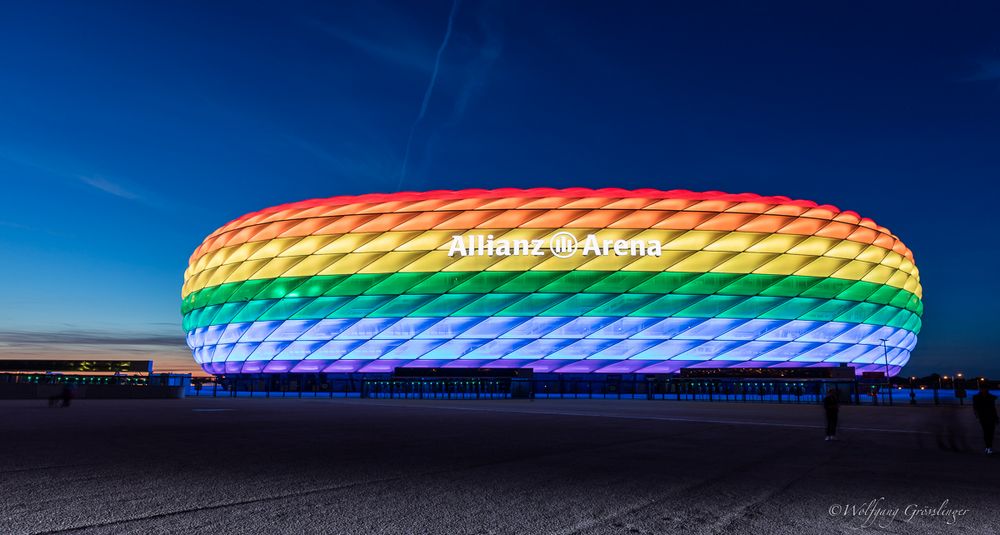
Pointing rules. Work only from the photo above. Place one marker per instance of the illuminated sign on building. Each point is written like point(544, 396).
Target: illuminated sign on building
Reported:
point(561, 244)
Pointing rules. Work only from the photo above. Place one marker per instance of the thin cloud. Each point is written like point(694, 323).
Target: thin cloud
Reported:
point(474, 75)
point(12, 339)
point(11, 224)
point(29, 228)
point(459, 74)
point(362, 163)
point(109, 187)
point(429, 91)
point(69, 172)
point(169, 352)
point(399, 55)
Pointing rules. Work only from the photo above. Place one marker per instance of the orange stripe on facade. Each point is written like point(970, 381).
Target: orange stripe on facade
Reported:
point(575, 208)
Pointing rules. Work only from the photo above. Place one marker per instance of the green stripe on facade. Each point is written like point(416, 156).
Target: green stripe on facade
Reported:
point(522, 282)
point(553, 304)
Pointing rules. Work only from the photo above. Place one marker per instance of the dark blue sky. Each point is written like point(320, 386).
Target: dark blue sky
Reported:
point(129, 131)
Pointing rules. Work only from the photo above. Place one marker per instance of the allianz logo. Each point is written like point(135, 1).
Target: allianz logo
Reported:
point(561, 245)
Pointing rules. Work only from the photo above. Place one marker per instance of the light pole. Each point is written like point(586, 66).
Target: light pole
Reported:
point(888, 384)
point(959, 388)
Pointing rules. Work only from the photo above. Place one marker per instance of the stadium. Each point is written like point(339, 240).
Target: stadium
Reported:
point(558, 281)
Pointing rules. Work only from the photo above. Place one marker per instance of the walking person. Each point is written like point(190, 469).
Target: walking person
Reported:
point(68, 392)
point(984, 405)
point(831, 406)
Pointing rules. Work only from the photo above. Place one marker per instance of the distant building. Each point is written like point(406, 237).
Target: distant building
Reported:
point(570, 281)
point(94, 379)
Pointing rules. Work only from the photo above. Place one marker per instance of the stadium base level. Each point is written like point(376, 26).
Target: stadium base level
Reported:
point(798, 385)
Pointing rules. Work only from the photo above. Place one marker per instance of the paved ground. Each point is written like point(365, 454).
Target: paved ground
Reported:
point(555, 466)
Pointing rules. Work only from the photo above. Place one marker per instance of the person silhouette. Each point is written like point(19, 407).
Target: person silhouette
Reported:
point(68, 391)
point(984, 405)
point(831, 406)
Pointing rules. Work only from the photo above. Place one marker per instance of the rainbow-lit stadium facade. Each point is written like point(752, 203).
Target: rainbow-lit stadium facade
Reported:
point(557, 280)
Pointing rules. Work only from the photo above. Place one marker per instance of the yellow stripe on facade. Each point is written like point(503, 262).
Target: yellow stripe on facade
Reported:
point(427, 251)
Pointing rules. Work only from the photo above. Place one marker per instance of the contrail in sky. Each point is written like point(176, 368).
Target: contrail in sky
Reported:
point(427, 93)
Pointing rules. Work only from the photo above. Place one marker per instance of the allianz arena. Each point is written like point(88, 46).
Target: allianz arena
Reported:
point(604, 281)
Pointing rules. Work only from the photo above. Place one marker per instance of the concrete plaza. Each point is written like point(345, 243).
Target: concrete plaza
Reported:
point(510, 466)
